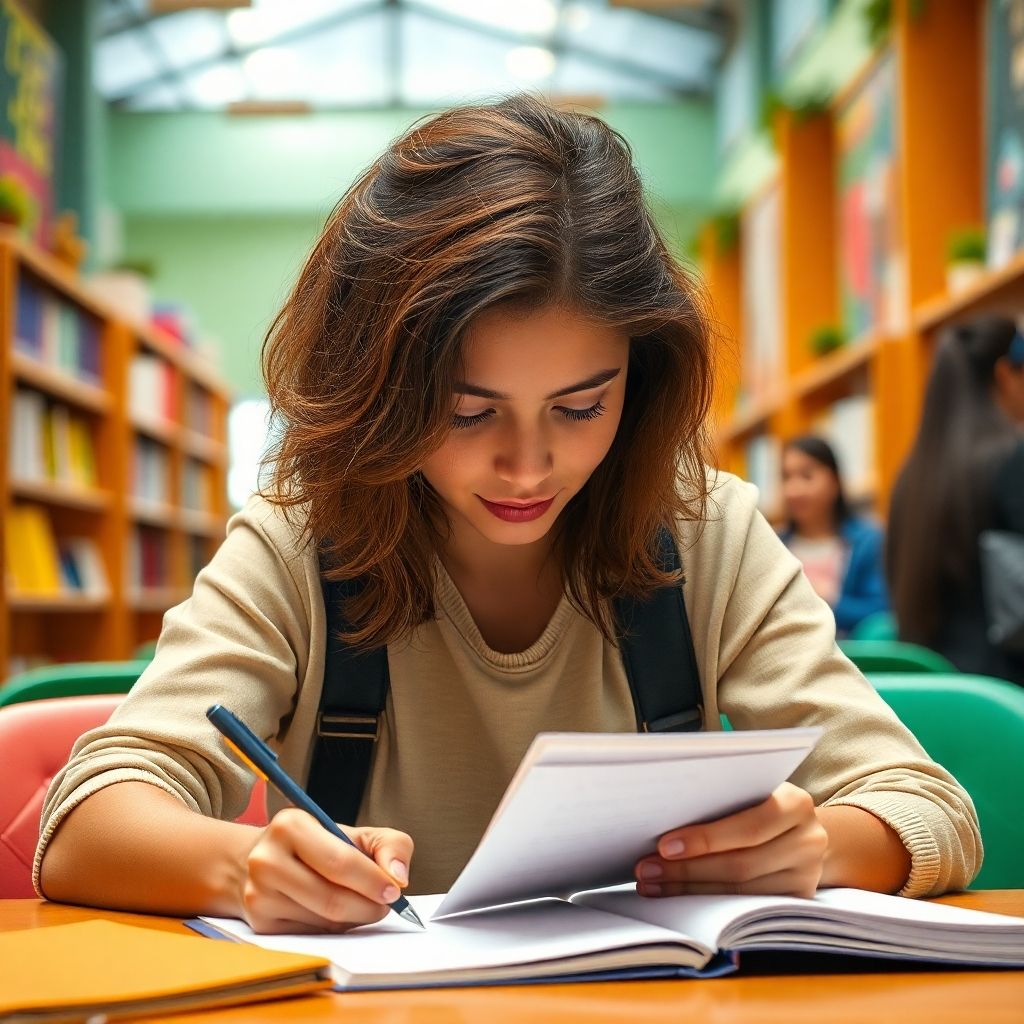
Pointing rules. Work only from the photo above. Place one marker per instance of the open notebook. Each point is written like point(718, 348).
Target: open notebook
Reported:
point(614, 933)
point(580, 811)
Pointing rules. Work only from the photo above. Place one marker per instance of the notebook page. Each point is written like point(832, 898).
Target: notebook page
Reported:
point(570, 827)
point(852, 919)
point(526, 933)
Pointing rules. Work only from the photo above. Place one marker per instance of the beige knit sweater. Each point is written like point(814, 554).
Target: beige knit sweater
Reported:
point(460, 715)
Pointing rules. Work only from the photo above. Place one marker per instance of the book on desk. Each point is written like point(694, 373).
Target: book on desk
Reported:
point(542, 898)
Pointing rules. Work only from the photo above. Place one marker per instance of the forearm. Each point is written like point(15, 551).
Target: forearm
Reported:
point(132, 846)
point(863, 851)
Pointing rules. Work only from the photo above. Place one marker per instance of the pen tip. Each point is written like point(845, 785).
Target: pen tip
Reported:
point(410, 915)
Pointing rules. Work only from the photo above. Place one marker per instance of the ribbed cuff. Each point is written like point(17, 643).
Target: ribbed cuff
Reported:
point(83, 792)
point(898, 812)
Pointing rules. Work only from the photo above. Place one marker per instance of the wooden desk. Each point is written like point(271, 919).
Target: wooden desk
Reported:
point(789, 993)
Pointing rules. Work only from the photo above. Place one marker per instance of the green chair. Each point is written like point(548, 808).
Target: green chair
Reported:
point(71, 680)
point(877, 626)
point(974, 727)
point(145, 652)
point(894, 656)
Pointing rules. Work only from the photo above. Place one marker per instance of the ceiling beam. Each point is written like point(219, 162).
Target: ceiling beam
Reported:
point(672, 85)
point(292, 36)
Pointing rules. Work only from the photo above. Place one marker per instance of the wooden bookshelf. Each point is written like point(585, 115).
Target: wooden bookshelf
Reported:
point(936, 67)
point(111, 502)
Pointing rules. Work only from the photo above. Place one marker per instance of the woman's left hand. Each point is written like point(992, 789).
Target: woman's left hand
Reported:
point(776, 847)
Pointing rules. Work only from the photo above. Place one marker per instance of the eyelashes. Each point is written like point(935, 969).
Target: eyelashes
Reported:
point(573, 415)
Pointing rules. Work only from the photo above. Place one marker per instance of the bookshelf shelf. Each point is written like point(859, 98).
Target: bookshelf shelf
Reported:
point(154, 513)
point(829, 369)
point(57, 603)
point(206, 449)
point(51, 492)
point(79, 540)
point(59, 384)
point(161, 430)
point(993, 288)
point(747, 420)
point(201, 524)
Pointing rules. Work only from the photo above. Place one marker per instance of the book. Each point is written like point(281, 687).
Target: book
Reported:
point(614, 933)
point(106, 970)
point(542, 898)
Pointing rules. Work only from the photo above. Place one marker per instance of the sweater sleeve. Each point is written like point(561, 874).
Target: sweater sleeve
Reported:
point(241, 640)
point(777, 665)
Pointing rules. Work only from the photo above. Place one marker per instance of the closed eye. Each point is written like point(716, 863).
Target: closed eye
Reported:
point(573, 415)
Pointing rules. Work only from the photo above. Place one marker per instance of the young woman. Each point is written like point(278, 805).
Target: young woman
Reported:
point(841, 554)
point(492, 381)
point(964, 474)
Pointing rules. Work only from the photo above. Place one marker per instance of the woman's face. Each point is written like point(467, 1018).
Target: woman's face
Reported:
point(809, 489)
point(536, 412)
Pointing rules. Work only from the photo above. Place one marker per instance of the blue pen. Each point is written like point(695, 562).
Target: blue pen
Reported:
point(254, 753)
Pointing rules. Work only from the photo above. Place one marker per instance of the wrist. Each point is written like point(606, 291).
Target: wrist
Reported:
point(863, 851)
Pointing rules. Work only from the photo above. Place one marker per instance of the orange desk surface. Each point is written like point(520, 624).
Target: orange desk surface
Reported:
point(790, 990)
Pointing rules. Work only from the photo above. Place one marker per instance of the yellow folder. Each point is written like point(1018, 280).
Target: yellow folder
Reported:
point(71, 972)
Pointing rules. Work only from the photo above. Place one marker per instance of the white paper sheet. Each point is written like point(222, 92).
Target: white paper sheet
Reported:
point(563, 827)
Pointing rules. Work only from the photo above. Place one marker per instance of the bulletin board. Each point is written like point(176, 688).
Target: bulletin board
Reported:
point(31, 72)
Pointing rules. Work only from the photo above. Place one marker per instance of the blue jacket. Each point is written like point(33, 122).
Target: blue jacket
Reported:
point(863, 591)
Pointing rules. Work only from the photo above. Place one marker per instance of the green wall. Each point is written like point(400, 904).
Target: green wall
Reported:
point(226, 208)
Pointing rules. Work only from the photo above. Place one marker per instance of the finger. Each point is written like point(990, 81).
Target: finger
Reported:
point(322, 903)
point(753, 826)
point(275, 913)
point(802, 846)
point(391, 849)
point(328, 856)
point(781, 883)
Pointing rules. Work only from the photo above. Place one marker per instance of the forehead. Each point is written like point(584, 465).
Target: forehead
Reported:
point(503, 345)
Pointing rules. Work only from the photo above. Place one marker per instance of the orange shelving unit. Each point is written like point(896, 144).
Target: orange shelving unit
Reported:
point(935, 58)
point(107, 513)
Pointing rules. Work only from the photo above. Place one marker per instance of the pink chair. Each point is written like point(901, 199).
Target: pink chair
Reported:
point(35, 741)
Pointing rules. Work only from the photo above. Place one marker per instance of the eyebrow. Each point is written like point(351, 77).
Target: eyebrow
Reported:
point(593, 381)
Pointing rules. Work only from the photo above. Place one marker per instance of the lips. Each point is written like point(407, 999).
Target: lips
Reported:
point(517, 512)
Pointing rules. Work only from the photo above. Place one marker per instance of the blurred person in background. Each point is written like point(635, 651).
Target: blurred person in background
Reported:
point(964, 475)
point(840, 552)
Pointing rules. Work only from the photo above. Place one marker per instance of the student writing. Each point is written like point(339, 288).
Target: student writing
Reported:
point(493, 383)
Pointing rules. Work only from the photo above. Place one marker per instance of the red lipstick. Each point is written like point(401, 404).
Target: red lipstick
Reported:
point(517, 513)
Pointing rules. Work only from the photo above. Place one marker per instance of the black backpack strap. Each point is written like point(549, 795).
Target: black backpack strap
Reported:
point(347, 725)
point(657, 652)
point(655, 643)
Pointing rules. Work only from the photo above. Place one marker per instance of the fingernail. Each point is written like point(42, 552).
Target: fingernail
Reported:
point(390, 893)
point(650, 869)
point(399, 872)
point(650, 889)
point(672, 848)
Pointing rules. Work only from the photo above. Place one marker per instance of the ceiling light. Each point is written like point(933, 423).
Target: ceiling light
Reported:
point(217, 86)
point(576, 17)
point(272, 70)
point(530, 62)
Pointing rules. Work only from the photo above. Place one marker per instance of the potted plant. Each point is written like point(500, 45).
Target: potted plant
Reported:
point(827, 338)
point(15, 202)
point(965, 258)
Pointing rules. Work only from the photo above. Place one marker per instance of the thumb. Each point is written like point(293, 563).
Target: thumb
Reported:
point(391, 849)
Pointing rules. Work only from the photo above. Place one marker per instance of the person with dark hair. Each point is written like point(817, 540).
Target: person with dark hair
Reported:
point(841, 553)
point(964, 475)
point(493, 385)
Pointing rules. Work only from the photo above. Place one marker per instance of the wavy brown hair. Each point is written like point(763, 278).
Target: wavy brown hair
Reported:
point(513, 203)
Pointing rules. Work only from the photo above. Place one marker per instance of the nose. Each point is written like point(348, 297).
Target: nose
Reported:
point(524, 459)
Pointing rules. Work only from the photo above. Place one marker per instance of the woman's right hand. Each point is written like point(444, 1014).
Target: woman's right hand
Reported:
point(299, 878)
